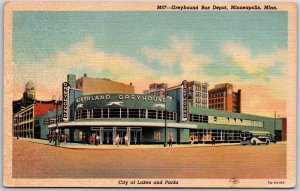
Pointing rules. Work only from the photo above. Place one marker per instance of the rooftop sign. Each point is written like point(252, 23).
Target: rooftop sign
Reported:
point(120, 97)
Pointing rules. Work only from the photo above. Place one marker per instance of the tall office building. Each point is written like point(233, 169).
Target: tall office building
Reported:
point(222, 97)
point(198, 94)
point(157, 89)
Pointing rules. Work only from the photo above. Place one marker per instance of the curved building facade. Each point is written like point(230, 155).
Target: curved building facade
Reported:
point(146, 118)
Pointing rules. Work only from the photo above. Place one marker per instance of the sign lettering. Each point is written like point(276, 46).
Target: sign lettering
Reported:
point(65, 101)
point(120, 97)
point(185, 101)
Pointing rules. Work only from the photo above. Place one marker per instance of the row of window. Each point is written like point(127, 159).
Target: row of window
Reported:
point(24, 116)
point(200, 105)
point(235, 102)
point(217, 106)
point(216, 100)
point(24, 127)
point(234, 121)
point(124, 113)
point(52, 120)
point(201, 94)
point(203, 89)
point(224, 120)
point(198, 118)
point(218, 135)
point(218, 94)
point(199, 100)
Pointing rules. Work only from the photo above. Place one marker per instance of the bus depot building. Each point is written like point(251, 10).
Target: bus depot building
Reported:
point(145, 118)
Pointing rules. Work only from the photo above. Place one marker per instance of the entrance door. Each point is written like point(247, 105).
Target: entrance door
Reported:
point(178, 136)
point(122, 133)
point(135, 136)
point(107, 137)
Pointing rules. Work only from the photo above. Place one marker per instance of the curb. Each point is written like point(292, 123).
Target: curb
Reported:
point(114, 147)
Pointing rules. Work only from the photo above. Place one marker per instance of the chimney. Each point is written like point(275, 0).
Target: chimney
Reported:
point(84, 75)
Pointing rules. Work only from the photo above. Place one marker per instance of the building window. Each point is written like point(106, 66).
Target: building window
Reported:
point(97, 113)
point(205, 119)
point(159, 114)
point(120, 113)
point(78, 115)
point(114, 113)
point(156, 136)
point(84, 114)
point(124, 113)
point(170, 116)
point(105, 113)
point(143, 113)
point(133, 113)
point(152, 114)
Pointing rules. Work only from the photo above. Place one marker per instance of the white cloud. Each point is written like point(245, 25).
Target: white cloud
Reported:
point(243, 57)
point(79, 58)
point(180, 51)
point(83, 57)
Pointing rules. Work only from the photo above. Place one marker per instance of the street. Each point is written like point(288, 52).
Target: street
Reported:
point(34, 160)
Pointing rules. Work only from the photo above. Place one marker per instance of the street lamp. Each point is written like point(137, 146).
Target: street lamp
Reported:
point(165, 118)
point(56, 121)
point(165, 144)
point(274, 126)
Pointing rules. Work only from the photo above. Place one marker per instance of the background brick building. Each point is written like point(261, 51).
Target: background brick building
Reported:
point(222, 97)
point(24, 120)
point(100, 85)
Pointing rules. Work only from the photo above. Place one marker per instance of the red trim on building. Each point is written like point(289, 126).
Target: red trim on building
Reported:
point(42, 108)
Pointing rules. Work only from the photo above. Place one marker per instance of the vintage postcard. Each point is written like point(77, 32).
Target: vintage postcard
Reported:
point(150, 94)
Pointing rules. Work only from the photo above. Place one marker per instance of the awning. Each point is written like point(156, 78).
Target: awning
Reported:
point(122, 123)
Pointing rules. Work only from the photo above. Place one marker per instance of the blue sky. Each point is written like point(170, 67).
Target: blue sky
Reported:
point(216, 46)
point(41, 34)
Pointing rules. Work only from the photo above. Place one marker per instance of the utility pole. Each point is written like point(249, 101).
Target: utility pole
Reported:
point(274, 124)
point(165, 118)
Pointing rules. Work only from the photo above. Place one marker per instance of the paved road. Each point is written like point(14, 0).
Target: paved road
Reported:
point(34, 160)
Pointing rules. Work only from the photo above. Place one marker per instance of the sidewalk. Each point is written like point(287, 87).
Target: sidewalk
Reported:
point(88, 146)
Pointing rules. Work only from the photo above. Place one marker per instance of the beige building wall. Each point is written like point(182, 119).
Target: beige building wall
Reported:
point(102, 85)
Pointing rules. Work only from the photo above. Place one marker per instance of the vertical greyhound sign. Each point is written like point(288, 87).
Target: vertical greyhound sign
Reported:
point(65, 101)
point(185, 101)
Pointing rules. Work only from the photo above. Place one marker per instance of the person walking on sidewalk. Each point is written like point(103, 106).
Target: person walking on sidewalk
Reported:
point(170, 139)
point(126, 140)
point(213, 140)
point(97, 139)
point(117, 139)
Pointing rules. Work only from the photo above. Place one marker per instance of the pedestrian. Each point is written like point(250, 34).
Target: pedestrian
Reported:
point(92, 139)
point(97, 139)
point(58, 138)
point(213, 140)
point(65, 138)
point(117, 139)
point(83, 139)
point(62, 137)
point(170, 139)
point(126, 140)
point(49, 138)
point(192, 140)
